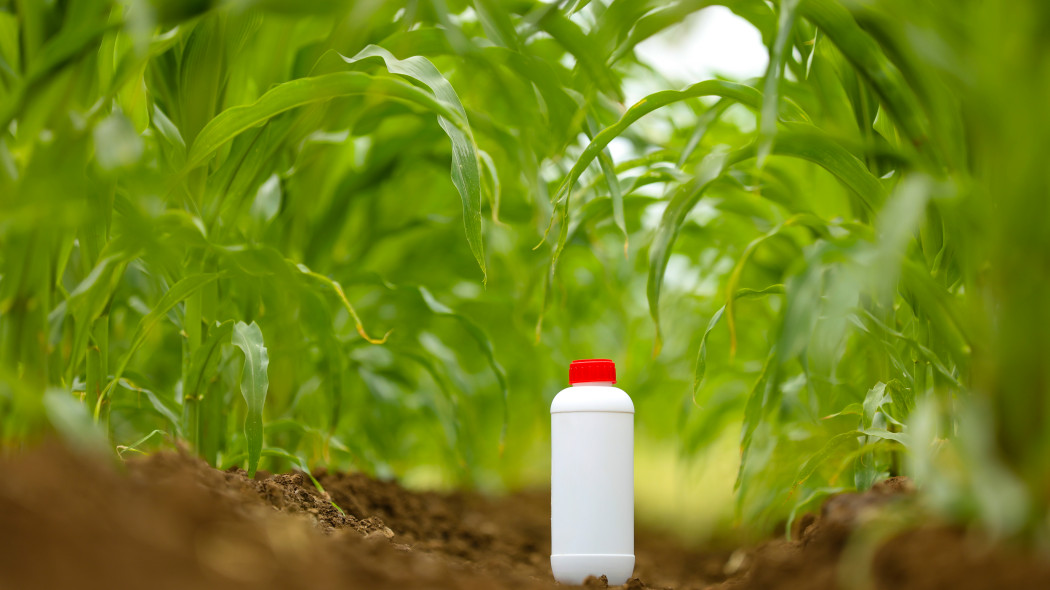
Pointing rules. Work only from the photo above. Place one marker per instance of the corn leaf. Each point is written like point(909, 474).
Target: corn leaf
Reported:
point(195, 391)
point(660, 251)
point(864, 54)
point(177, 293)
point(767, 121)
point(288, 95)
point(254, 384)
point(484, 343)
point(816, 460)
point(700, 369)
point(466, 172)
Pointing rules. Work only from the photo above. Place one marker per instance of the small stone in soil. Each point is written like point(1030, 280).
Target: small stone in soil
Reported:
point(592, 582)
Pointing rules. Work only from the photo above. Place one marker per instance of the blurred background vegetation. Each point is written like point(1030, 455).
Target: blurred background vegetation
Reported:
point(372, 235)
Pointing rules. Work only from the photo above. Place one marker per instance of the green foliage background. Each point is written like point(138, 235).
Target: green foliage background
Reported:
point(331, 211)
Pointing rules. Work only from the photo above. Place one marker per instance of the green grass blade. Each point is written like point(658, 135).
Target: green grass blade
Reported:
point(346, 302)
point(803, 219)
point(703, 125)
point(887, 435)
point(164, 407)
point(134, 447)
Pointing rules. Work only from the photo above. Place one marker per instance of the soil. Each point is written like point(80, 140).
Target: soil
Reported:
point(170, 521)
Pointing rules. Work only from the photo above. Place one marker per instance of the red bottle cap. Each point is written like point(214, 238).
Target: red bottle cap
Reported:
point(591, 371)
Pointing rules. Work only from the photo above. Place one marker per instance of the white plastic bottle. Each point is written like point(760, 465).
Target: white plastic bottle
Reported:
point(592, 477)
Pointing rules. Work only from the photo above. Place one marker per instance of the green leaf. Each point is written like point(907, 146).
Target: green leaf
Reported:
point(234, 121)
point(495, 19)
point(609, 172)
point(854, 409)
point(254, 383)
point(830, 449)
point(809, 501)
point(834, 20)
point(873, 401)
point(767, 126)
point(335, 286)
point(924, 352)
point(887, 435)
point(466, 172)
point(89, 300)
point(807, 142)
point(701, 356)
point(484, 343)
point(681, 204)
point(569, 34)
point(79, 37)
point(802, 219)
point(741, 93)
point(754, 410)
point(703, 125)
point(158, 404)
point(178, 292)
point(141, 441)
point(202, 366)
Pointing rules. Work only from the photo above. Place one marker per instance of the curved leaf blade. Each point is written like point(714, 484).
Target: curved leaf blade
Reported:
point(254, 383)
point(767, 120)
point(711, 168)
point(288, 95)
point(484, 343)
point(862, 51)
point(178, 292)
point(466, 171)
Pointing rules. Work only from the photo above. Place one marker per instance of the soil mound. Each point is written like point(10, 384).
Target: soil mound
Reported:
point(830, 551)
point(170, 521)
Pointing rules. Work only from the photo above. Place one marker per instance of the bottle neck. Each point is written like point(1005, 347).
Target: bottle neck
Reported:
point(594, 384)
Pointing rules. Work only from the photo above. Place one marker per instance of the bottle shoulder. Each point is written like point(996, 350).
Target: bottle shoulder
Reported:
point(592, 398)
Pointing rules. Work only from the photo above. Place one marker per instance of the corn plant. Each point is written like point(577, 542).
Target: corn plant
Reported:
point(867, 197)
point(371, 236)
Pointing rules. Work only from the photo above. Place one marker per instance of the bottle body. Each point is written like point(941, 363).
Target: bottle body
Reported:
point(592, 484)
